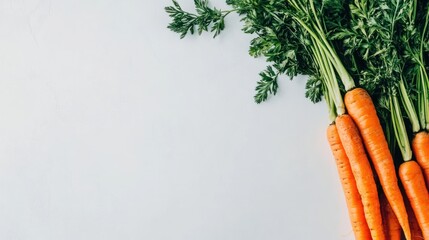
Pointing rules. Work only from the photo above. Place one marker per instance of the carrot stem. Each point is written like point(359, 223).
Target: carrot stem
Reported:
point(317, 32)
point(399, 128)
point(329, 78)
point(409, 106)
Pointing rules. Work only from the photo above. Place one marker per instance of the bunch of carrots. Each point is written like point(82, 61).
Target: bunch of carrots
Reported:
point(368, 60)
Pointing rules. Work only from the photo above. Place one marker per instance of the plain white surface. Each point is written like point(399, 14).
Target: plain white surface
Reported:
point(113, 128)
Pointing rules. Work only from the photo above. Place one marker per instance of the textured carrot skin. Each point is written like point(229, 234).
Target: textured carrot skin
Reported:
point(348, 182)
point(361, 108)
point(391, 225)
point(362, 172)
point(416, 232)
point(415, 187)
point(420, 146)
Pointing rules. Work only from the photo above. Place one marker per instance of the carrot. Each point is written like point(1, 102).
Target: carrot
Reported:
point(362, 172)
point(416, 232)
point(392, 227)
point(414, 184)
point(353, 199)
point(421, 151)
point(361, 108)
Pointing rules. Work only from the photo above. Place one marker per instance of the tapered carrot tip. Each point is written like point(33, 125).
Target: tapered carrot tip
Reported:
point(392, 227)
point(420, 146)
point(412, 179)
point(416, 232)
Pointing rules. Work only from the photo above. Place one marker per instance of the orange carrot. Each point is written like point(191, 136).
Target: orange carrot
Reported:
point(416, 232)
point(361, 108)
point(414, 184)
point(362, 172)
point(392, 227)
point(421, 151)
point(348, 182)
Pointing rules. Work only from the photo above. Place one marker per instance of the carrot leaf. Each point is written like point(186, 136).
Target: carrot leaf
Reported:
point(267, 85)
point(205, 19)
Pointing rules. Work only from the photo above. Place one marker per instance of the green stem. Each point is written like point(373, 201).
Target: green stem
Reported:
point(390, 134)
point(329, 78)
point(227, 12)
point(423, 35)
point(392, 27)
point(423, 80)
point(425, 97)
point(326, 57)
point(423, 100)
point(399, 128)
point(414, 13)
point(335, 91)
point(408, 106)
point(331, 55)
point(318, 33)
point(298, 6)
point(313, 10)
point(331, 105)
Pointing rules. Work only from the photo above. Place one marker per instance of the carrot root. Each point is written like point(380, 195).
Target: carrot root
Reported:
point(391, 224)
point(420, 146)
point(416, 232)
point(414, 184)
point(348, 182)
point(362, 173)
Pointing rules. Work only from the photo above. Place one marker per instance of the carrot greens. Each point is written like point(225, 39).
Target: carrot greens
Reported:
point(279, 37)
point(206, 18)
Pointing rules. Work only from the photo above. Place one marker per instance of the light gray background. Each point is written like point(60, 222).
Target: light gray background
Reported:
point(113, 128)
